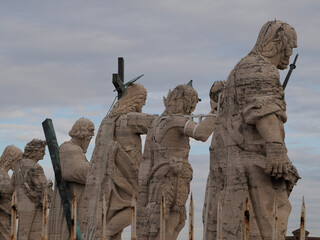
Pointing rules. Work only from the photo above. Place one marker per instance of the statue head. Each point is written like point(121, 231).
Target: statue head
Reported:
point(132, 100)
point(181, 100)
point(275, 42)
point(83, 131)
point(9, 158)
point(216, 88)
point(35, 149)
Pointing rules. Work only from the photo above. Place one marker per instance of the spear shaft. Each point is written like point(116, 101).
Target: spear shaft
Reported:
point(292, 66)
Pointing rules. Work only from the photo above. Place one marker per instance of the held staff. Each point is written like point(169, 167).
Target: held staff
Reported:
point(292, 66)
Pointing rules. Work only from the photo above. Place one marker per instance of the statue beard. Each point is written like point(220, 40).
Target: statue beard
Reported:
point(283, 64)
point(85, 144)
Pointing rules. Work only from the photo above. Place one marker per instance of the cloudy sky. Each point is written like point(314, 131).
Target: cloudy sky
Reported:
point(57, 60)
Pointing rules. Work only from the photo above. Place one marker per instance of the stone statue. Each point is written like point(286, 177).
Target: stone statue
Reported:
point(165, 167)
point(74, 168)
point(30, 183)
point(115, 164)
point(10, 156)
point(217, 170)
point(248, 146)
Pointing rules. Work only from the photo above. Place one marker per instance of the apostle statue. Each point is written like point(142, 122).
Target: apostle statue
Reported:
point(30, 182)
point(165, 169)
point(115, 164)
point(9, 158)
point(74, 169)
point(249, 146)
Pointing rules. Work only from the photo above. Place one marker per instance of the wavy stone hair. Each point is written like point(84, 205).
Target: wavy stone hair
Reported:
point(10, 156)
point(273, 38)
point(32, 147)
point(184, 92)
point(131, 99)
point(82, 128)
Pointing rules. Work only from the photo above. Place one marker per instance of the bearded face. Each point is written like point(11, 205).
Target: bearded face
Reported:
point(85, 143)
point(86, 140)
point(285, 58)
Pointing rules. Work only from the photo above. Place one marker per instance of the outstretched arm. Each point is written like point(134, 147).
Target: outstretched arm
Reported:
point(200, 131)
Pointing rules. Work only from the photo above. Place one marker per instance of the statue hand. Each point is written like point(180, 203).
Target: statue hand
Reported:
point(277, 160)
point(176, 165)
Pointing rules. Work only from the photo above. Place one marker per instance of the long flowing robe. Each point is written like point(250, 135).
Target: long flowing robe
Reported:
point(5, 205)
point(74, 168)
point(114, 171)
point(30, 182)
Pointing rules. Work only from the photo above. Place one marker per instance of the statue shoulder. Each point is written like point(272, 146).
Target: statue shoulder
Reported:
point(179, 120)
point(257, 66)
point(172, 121)
point(69, 147)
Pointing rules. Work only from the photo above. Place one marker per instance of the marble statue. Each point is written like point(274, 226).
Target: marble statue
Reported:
point(74, 168)
point(165, 167)
point(30, 182)
point(115, 164)
point(9, 158)
point(248, 153)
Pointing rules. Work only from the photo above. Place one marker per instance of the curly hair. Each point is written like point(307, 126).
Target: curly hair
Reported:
point(130, 101)
point(185, 93)
point(10, 156)
point(32, 147)
point(82, 128)
point(274, 37)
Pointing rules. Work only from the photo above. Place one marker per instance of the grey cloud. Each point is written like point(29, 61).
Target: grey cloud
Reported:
point(57, 61)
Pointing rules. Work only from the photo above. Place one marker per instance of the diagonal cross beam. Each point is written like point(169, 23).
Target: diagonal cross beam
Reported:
point(118, 79)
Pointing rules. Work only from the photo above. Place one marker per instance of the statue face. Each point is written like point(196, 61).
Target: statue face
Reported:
point(284, 58)
point(176, 107)
point(285, 55)
point(141, 104)
point(213, 104)
point(40, 154)
point(86, 141)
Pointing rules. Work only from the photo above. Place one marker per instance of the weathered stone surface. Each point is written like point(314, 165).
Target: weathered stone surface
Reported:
point(165, 167)
point(115, 164)
point(9, 158)
point(248, 152)
point(30, 183)
point(74, 168)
